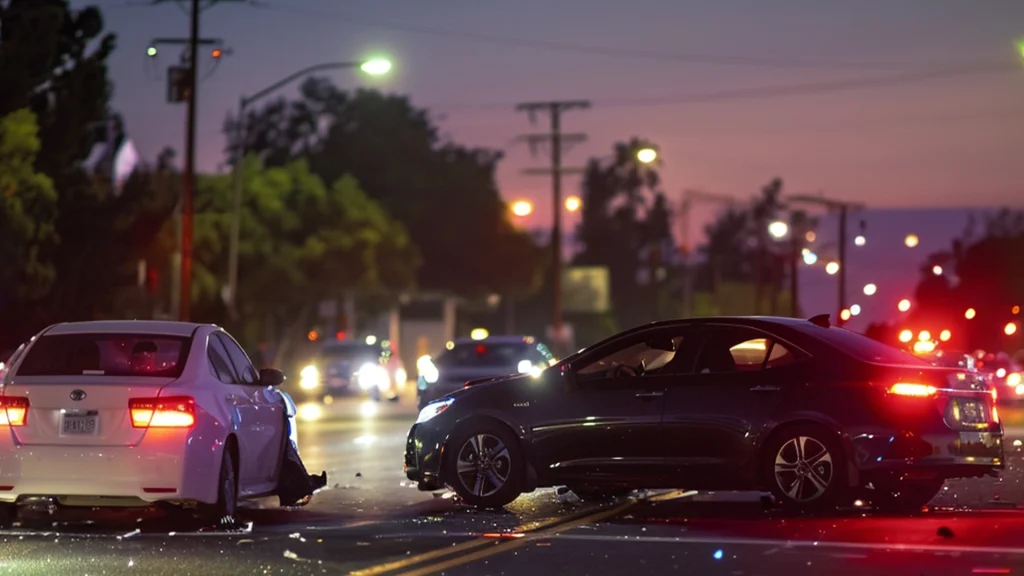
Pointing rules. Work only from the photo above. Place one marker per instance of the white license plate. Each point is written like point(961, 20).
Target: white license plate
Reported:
point(78, 425)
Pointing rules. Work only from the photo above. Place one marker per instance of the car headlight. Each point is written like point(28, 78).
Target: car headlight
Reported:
point(372, 376)
point(427, 369)
point(1014, 379)
point(433, 409)
point(525, 366)
point(309, 377)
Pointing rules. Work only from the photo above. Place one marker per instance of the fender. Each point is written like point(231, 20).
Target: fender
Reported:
point(852, 472)
point(520, 431)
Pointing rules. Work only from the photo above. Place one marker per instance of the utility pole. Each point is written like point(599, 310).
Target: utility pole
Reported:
point(189, 87)
point(844, 209)
point(557, 140)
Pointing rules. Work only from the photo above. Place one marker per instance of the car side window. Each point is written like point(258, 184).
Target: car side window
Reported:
point(219, 363)
point(652, 356)
point(741, 350)
point(239, 359)
point(779, 356)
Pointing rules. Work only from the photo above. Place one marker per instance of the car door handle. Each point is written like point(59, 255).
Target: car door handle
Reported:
point(650, 394)
point(765, 389)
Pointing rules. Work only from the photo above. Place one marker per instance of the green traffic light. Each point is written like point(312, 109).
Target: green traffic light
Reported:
point(151, 51)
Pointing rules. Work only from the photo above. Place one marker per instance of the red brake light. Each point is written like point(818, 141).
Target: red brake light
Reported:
point(175, 412)
point(13, 410)
point(481, 349)
point(911, 389)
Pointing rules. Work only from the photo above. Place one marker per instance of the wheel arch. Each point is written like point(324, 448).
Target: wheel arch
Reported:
point(530, 479)
point(815, 419)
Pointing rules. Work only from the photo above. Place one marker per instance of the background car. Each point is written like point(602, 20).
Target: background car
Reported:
point(815, 414)
point(138, 412)
point(345, 367)
point(1005, 375)
point(468, 359)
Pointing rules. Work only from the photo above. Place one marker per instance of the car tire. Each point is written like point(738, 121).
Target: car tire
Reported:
point(905, 497)
point(8, 515)
point(496, 479)
point(224, 512)
point(805, 468)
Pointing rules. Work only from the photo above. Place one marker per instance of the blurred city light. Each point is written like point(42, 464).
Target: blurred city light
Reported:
point(368, 409)
point(860, 240)
point(216, 53)
point(647, 155)
point(810, 236)
point(870, 289)
point(479, 334)
point(1010, 329)
point(832, 267)
point(911, 240)
point(924, 336)
point(937, 270)
point(376, 66)
point(151, 51)
point(313, 335)
point(906, 336)
point(904, 305)
point(572, 203)
point(924, 346)
point(371, 340)
point(970, 313)
point(778, 229)
point(522, 208)
point(809, 257)
point(945, 335)
point(855, 309)
point(845, 314)
point(1015, 310)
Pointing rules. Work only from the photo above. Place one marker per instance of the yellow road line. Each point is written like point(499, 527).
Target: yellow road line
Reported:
point(513, 544)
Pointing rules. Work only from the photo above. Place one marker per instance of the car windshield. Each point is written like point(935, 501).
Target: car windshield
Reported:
point(864, 348)
point(484, 354)
point(106, 355)
point(351, 353)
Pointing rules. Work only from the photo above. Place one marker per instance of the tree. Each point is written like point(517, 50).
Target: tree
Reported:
point(28, 209)
point(626, 227)
point(445, 195)
point(301, 242)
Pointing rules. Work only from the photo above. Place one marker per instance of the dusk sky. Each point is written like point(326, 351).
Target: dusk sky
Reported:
point(702, 79)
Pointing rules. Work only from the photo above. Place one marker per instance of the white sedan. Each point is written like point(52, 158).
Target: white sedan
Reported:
point(129, 413)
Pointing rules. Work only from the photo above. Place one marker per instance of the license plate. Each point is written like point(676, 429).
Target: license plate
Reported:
point(78, 425)
point(973, 411)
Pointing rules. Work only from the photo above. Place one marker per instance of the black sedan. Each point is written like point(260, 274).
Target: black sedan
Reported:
point(817, 415)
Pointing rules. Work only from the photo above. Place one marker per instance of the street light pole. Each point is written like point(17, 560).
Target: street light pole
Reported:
point(373, 67)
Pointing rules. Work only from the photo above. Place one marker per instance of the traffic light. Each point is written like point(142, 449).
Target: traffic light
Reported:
point(217, 53)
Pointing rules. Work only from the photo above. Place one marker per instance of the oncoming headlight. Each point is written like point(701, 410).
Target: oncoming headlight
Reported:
point(309, 377)
point(372, 376)
point(525, 366)
point(1013, 379)
point(427, 369)
point(433, 409)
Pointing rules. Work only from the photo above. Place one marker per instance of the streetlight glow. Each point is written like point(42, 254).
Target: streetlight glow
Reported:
point(376, 66)
point(778, 229)
point(911, 240)
point(522, 208)
point(924, 336)
point(845, 314)
point(855, 309)
point(937, 270)
point(904, 305)
point(945, 335)
point(870, 289)
point(809, 257)
point(151, 51)
point(860, 240)
point(572, 203)
point(810, 236)
point(1010, 329)
point(832, 268)
point(906, 336)
point(647, 155)
point(970, 313)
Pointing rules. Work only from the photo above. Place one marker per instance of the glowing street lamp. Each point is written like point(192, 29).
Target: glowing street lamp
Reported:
point(937, 270)
point(970, 313)
point(860, 240)
point(870, 289)
point(832, 268)
point(778, 229)
point(945, 335)
point(522, 208)
point(855, 309)
point(911, 240)
point(572, 203)
point(376, 66)
point(845, 314)
point(1010, 329)
point(151, 51)
point(904, 305)
point(906, 336)
point(647, 155)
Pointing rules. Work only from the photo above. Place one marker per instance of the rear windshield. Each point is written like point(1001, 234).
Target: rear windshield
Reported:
point(351, 352)
point(866, 349)
point(485, 354)
point(106, 355)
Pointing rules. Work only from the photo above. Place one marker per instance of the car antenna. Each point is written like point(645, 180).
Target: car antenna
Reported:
point(820, 320)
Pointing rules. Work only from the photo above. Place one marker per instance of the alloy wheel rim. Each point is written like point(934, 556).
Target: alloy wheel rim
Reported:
point(803, 468)
point(483, 465)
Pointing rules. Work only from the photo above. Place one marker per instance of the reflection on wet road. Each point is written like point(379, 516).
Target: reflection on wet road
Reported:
point(371, 521)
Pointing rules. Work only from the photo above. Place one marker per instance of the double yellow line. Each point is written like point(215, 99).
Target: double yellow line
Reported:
point(467, 552)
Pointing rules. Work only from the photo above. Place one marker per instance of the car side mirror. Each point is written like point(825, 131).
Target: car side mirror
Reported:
point(271, 377)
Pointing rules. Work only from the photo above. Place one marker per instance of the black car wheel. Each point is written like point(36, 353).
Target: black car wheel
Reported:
point(905, 496)
point(223, 512)
point(8, 515)
point(805, 468)
point(486, 466)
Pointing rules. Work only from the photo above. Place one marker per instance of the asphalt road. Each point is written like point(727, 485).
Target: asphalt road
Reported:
point(371, 521)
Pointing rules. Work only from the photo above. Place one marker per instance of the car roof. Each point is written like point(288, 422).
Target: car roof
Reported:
point(164, 327)
point(502, 339)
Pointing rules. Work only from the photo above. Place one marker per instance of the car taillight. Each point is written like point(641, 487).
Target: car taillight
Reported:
point(914, 390)
point(174, 412)
point(13, 410)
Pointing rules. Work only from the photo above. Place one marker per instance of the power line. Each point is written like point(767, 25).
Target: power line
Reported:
point(597, 50)
point(780, 91)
